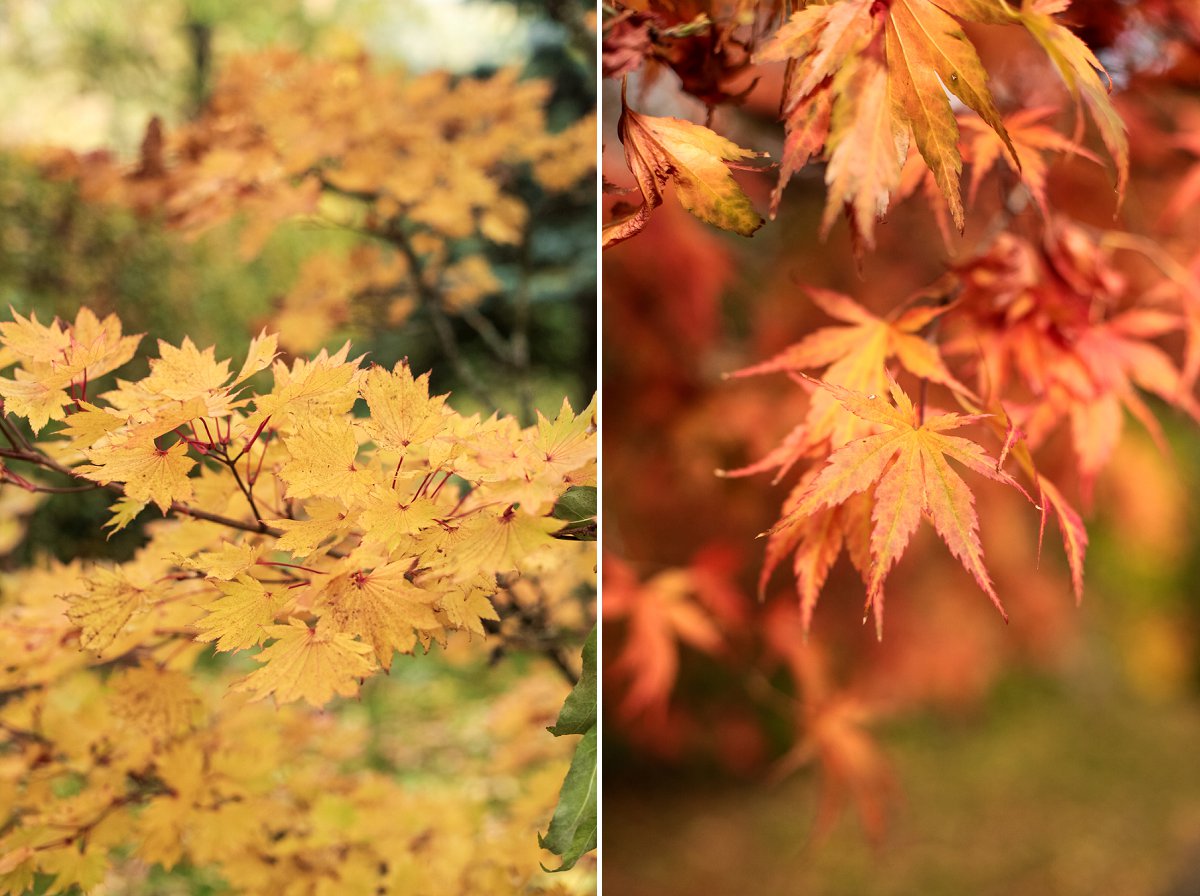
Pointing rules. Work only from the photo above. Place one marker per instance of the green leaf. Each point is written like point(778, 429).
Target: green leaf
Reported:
point(579, 710)
point(577, 507)
point(573, 827)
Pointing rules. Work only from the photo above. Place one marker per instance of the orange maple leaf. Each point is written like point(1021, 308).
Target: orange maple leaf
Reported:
point(1081, 71)
point(888, 67)
point(661, 613)
point(866, 77)
point(854, 356)
point(907, 465)
point(1030, 138)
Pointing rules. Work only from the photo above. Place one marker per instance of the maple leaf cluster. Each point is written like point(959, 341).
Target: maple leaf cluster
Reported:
point(980, 382)
point(398, 556)
point(322, 540)
point(866, 81)
point(424, 171)
point(152, 765)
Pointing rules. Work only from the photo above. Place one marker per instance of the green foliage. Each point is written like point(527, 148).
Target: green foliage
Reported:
point(573, 827)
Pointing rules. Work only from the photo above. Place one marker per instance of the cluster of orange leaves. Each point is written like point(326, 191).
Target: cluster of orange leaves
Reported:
point(420, 168)
point(321, 539)
point(1018, 363)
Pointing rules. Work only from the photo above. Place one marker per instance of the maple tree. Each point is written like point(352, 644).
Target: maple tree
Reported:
point(969, 361)
point(310, 526)
point(436, 205)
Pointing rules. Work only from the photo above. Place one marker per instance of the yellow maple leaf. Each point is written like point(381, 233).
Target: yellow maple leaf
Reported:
point(160, 703)
point(227, 563)
point(467, 608)
point(325, 517)
point(90, 423)
point(569, 442)
point(382, 607)
point(324, 452)
point(97, 346)
point(326, 385)
point(185, 372)
point(495, 542)
point(306, 663)
point(390, 516)
point(239, 617)
point(38, 397)
point(149, 473)
point(402, 413)
point(259, 355)
point(102, 610)
point(34, 342)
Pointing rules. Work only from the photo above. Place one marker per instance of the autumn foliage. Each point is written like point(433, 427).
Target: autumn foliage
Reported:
point(969, 362)
point(422, 188)
point(308, 522)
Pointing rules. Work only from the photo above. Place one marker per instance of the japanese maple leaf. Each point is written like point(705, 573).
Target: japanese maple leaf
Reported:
point(814, 542)
point(661, 613)
point(239, 617)
point(499, 542)
point(389, 517)
point(53, 358)
point(149, 473)
point(854, 356)
point(883, 69)
point(1081, 71)
point(1117, 356)
point(323, 454)
point(325, 517)
point(1030, 138)
point(659, 150)
point(907, 463)
point(305, 663)
point(402, 412)
point(382, 607)
point(568, 442)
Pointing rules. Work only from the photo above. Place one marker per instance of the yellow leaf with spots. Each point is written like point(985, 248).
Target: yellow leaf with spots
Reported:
point(489, 542)
point(392, 516)
point(323, 462)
